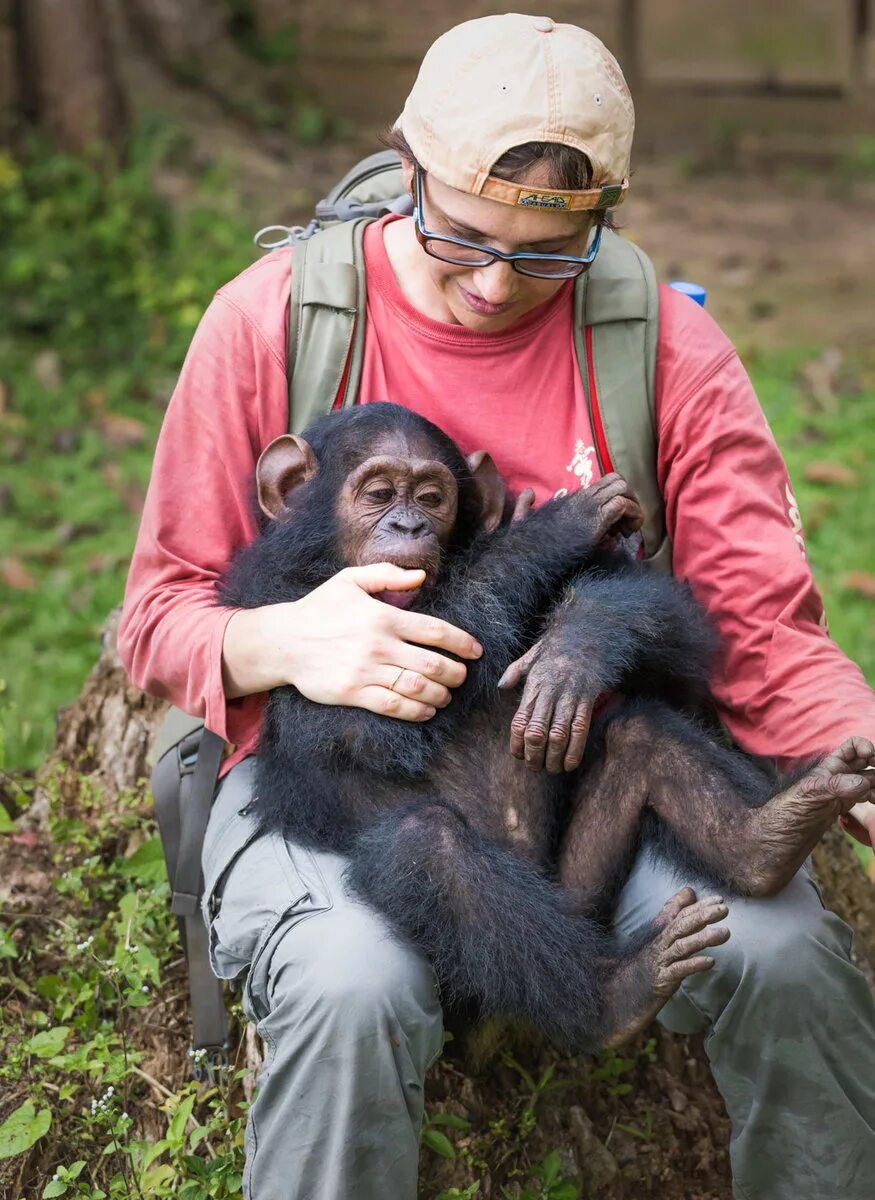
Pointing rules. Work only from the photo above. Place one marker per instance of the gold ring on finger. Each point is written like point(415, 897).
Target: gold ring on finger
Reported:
point(395, 684)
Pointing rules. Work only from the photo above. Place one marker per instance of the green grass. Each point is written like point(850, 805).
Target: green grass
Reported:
point(105, 276)
point(103, 285)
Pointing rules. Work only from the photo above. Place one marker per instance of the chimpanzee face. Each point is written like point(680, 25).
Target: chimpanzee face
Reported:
point(397, 506)
point(391, 497)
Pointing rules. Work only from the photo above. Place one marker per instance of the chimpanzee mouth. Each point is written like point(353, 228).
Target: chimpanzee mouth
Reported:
point(399, 599)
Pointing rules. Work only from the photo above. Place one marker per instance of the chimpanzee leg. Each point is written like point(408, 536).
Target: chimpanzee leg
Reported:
point(603, 834)
point(719, 815)
point(498, 932)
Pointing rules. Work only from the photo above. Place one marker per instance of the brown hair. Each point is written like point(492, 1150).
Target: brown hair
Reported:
point(567, 167)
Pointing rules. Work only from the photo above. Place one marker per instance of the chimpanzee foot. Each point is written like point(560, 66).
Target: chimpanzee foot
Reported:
point(788, 827)
point(641, 986)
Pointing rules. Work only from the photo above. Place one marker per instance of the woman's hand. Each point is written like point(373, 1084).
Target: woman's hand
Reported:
point(339, 645)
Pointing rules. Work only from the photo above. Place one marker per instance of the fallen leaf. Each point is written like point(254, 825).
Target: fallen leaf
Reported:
point(831, 472)
point(120, 430)
point(15, 575)
point(861, 583)
point(47, 369)
point(26, 838)
point(65, 441)
point(820, 377)
point(98, 563)
point(95, 400)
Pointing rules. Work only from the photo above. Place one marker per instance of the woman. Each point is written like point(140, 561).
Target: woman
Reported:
point(513, 129)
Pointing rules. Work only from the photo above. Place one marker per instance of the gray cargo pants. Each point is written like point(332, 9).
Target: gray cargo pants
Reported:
point(351, 1022)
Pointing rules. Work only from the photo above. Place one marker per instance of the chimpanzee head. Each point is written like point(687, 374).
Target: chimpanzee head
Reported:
point(388, 486)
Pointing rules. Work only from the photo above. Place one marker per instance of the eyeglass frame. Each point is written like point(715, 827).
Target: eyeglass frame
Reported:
point(424, 235)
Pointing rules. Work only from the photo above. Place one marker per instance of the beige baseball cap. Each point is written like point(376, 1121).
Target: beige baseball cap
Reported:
point(501, 81)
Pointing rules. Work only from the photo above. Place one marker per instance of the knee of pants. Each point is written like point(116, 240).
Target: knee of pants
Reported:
point(344, 969)
point(786, 943)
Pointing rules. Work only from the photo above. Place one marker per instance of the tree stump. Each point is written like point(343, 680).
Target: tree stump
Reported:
point(652, 1126)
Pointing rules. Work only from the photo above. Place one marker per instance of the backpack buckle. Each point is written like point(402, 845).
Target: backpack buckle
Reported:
point(187, 752)
point(208, 1063)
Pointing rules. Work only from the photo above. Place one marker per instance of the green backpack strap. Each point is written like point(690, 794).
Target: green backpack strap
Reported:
point(615, 334)
point(326, 321)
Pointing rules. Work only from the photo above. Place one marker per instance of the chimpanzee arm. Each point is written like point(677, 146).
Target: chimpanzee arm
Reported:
point(509, 578)
point(634, 630)
point(618, 627)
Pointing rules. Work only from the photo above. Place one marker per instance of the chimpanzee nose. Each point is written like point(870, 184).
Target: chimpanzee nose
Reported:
point(408, 523)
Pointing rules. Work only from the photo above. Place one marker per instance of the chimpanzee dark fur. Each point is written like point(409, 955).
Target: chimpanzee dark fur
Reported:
point(420, 807)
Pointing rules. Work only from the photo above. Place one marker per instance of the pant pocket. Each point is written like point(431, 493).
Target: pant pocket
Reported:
point(255, 879)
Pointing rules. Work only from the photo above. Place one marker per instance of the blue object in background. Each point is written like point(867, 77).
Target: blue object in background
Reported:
point(694, 290)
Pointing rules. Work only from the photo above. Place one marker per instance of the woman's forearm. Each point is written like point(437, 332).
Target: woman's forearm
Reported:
point(256, 649)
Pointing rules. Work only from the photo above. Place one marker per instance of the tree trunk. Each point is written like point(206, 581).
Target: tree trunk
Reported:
point(67, 80)
point(677, 1147)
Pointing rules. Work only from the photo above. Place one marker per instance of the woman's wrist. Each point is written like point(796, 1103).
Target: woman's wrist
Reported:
point(254, 657)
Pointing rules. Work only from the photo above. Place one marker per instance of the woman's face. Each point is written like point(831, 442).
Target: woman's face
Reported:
point(491, 298)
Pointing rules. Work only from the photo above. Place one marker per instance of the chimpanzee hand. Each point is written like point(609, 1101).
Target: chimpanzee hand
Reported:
point(338, 645)
point(551, 724)
point(612, 505)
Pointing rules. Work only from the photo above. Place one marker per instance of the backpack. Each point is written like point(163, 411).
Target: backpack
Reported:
point(616, 328)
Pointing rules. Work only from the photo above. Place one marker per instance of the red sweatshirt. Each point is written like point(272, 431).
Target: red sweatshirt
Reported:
point(784, 688)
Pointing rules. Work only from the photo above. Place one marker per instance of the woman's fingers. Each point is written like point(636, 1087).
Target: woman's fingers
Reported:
point(412, 684)
point(434, 666)
point(388, 703)
point(432, 631)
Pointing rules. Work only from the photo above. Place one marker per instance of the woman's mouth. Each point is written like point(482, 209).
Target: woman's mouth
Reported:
point(479, 305)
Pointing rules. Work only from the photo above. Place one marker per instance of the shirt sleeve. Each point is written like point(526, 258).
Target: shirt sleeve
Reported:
point(785, 690)
point(230, 400)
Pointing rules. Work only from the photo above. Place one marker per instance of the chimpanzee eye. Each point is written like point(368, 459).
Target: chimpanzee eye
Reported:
point(429, 499)
point(380, 495)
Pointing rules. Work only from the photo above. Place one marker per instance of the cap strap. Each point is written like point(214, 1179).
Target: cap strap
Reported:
point(606, 196)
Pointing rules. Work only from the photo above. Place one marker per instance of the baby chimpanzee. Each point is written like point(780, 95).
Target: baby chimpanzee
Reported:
point(505, 877)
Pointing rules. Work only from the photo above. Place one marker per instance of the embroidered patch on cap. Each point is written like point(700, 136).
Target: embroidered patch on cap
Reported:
point(544, 200)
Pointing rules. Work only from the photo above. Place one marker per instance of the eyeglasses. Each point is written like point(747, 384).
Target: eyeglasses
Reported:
point(471, 254)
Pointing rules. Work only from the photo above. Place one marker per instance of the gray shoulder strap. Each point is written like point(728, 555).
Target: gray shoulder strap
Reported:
point(616, 330)
point(327, 310)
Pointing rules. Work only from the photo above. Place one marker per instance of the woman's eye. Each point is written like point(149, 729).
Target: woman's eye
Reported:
point(429, 499)
point(380, 495)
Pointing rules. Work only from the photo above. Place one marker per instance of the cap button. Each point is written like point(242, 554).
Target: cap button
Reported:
point(543, 24)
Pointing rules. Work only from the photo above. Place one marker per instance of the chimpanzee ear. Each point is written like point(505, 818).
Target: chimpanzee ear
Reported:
point(284, 465)
point(490, 485)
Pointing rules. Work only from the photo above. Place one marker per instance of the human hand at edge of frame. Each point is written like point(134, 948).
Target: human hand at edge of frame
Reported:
point(860, 823)
point(352, 649)
point(551, 724)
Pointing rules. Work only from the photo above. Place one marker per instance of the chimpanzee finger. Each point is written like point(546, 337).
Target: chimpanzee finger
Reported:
point(559, 735)
point(579, 733)
point(677, 972)
point(538, 730)
point(519, 668)
point(521, 717)
point(524, 503)
point(712, 935)
point(632, 520)
point(387, 703)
